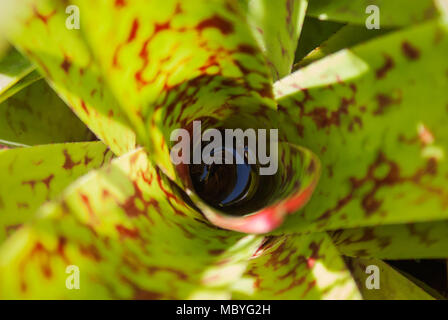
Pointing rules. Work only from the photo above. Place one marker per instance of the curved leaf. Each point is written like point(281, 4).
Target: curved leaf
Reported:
point(156, 63)
point(131, 234)
point(38, 29)
point(406, 241)
point(182, 61)
point(314, 32)
point(393, 285)
point(21, 84)
point(297, 267)
point(36, 115)
point(277, 26)
point(13, 67)
point(346, 37)
point(375, 115)
point(31, 176)
point(392, 13)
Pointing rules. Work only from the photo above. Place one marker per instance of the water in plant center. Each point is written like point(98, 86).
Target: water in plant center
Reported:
point(236, 189)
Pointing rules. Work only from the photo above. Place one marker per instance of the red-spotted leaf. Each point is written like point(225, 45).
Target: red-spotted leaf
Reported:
point(277, 26)
point(427, 240)
point(297, 267)
point(171, 62)
point(38, 29)
point(375, 115)
point(31, 176)
point(162, 62)
point(131, 234)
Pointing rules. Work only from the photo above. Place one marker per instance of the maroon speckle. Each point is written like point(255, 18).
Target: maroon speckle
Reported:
point(47, 180)
point(32, 183)
point(69, 163)
point(384, 101)
point(126, 232)
point(134, 30)
point(410, 51)
point(217, 22)
point(178, 9)
point(84, 107)
point(87, 160)
point(388, 65)
point(90, 251)
point(85, 199)
point(248, 49)
point(43, 18)
point(120, 3)
point(310, 286)
point(144, 53)
point(215, 252)
point(66, 64)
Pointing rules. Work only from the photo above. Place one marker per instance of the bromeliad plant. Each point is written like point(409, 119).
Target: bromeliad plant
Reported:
point(366, 111)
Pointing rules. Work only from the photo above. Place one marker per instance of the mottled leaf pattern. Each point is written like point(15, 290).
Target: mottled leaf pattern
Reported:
point(297, 267)
point(31, 176)
point(38, 29)
point(131, 234)
point(156, 62)
point(364, 112)
point(375, 115)
point(276, 26)
point(392, 13)
point(393, 285)
point(36, 115)
point(427, 240)
point(183, 61)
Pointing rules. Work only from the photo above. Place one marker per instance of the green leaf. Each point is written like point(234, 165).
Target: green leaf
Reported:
point(20, 85)
point(393, 285)
point(392, 13)
point(346, 37)
point(297, 267)
point(314, 32)
point(406, 241)
point(36, 115)
point(152, 69)
point(376, 117)
point(38, 29)
point(31, 176)
point(277, 26)
point(182, 61)
point(131, 234)
point(13, 67)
